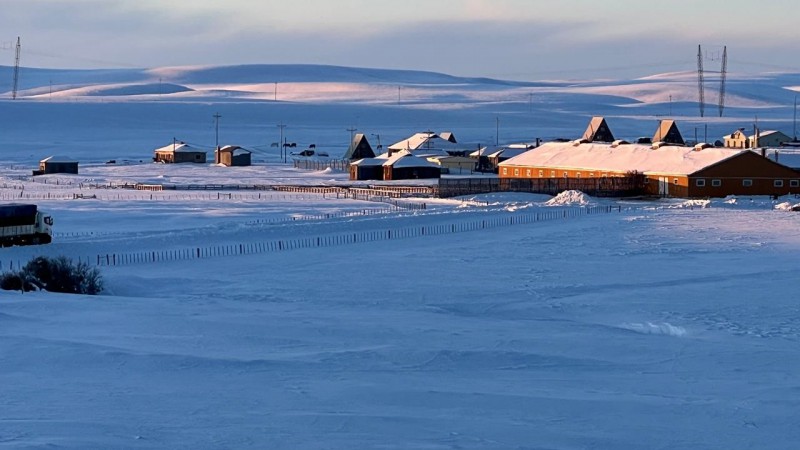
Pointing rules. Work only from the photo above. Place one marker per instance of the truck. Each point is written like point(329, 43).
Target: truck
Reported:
point(24, 224)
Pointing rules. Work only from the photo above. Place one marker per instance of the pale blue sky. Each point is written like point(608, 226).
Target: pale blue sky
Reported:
point(517, 39)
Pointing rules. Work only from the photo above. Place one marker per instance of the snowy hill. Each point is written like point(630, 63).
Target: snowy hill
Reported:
point(139, 109)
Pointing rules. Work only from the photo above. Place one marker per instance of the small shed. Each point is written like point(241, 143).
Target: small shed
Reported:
point(57, 164)
point(454, 164)
point(232, 155)
point(359, 148)
point(179, 152)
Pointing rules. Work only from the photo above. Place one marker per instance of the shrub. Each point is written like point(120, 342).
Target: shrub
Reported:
point(58, 274)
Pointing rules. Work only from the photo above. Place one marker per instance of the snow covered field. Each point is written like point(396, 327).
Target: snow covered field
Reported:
point(656, 324)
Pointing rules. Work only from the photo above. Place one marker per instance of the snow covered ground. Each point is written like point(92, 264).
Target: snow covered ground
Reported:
point(654, 324)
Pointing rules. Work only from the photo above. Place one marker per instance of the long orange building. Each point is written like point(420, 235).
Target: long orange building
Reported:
point(673, 171)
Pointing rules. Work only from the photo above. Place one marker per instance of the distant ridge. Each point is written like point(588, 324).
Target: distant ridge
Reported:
point(248, 73)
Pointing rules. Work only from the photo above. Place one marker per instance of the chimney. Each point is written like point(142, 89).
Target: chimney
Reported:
point(764, 152)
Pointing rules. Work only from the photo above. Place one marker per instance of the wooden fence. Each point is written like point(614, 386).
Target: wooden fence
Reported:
point(342, 165)
point(249, 248)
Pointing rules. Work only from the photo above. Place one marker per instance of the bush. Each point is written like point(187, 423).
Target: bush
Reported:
point(54, 275)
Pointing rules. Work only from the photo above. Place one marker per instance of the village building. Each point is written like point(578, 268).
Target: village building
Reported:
point(770, 138)
point(454, 164)
point(232, 155)
point(667, 170)
point(737, 139)
point(359, 148)
point(179, 152)
point(490, 158)
point(57, 164)
point(428, 144)
point(400, 165)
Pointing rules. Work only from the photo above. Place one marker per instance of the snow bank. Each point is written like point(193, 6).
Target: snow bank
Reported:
point(570, 198)
point(787, 206)
point(656, 328)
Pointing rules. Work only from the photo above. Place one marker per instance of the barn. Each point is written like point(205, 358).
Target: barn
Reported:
point(232, 155)
point(672, 171)
point(57, 164)
point(179, 152)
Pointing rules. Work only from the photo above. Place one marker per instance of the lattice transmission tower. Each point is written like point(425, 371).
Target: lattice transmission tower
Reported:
point(16, 73)
point(721, 76)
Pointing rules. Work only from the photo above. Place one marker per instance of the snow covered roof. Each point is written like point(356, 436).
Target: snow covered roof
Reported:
point(766, 133)
point(506, 152)
point(406, 159)
point(234, 149)
point(663, 160)
point(59, 159)
point(424, 141)
point(178, 147)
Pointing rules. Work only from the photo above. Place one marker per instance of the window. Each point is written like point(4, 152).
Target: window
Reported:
point(541, 174)
point(777, 183)
point(578, 175)
point(505, 170)
point(674, 181)
point(716, 183)
point(528, 173)
point(516, 172)
point(747, 183)
point(605, 175)
point(700, 182)
point(566, 174)
point(591, 174)
point(794, 183)
point(552, 174)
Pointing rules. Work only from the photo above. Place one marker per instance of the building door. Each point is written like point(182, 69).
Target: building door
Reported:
point(663, 186)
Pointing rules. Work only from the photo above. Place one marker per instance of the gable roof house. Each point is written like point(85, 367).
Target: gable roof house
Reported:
point(667, 170)
point(232, 155)
point(179, 152)
point(406, 166)
point(359, 148)
point(737, 139)
point(427, 144)
point(770, 138)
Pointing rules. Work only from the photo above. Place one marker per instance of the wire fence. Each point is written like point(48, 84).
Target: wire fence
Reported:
point(270, 221)
point(250, 248)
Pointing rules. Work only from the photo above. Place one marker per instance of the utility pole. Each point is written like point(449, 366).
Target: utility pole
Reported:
point(281, 143)
point(16, 73)
point(794, 128)
point(497, 132)
point(352, 130)
point(275, 92)
point(216, 127)
point(378, 136)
